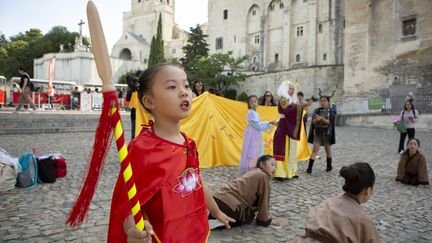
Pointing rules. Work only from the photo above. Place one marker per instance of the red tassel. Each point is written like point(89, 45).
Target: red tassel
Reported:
point(95, 162)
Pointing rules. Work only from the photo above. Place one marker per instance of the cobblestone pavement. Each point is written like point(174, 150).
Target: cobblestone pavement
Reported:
point(401, 213)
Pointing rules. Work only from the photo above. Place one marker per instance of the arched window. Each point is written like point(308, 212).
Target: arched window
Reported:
point(298, 58)
point(281, 5)
point(320, 28)
point(126, 54)
point(324, 56)
point(254, 59)
point(277, 57)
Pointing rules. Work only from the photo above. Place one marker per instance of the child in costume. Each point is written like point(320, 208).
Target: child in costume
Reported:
point(322, 131)
point(412, 167)
point(288, 131)
point(249, 194)
point(343, 219)
point(174, 198)
point(253, 142)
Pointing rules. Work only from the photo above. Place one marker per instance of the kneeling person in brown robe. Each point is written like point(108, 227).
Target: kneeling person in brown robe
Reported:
point(249, 194)
point(412, 168)
point(343, 219)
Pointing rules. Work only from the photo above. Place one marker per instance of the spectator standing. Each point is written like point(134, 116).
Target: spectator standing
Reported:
point(24, 90)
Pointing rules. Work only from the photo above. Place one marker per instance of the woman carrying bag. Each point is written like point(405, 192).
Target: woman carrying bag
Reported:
point(408, 117)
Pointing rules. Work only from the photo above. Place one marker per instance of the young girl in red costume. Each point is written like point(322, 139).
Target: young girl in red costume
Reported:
point(174, 198)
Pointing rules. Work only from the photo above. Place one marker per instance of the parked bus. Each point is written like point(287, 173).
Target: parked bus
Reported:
point(40, 97)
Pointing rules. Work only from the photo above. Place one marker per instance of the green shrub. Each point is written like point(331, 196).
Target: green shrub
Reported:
point(230, 94)
point(242, 96)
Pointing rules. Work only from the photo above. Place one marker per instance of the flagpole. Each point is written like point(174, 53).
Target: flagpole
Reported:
point(110, 118)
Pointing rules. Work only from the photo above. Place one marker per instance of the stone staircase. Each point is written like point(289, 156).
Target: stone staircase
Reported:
point(52, 122)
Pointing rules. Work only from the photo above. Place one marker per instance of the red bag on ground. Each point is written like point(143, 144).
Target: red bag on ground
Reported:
point(58, 163)
point(59, 166)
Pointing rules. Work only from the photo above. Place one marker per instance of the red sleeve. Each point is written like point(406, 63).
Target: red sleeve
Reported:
point(148, 184)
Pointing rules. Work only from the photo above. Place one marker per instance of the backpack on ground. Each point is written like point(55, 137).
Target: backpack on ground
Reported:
point(46, 170)
point(28, 177)
point(58, 163)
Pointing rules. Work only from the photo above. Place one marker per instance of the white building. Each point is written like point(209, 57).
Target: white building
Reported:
point(140, 25)
point(131, 51)
point(278, 34)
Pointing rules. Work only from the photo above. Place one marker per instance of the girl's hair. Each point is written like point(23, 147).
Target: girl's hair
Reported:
point(195, 90)
point(409, 140)
point(264, 98)
point(300, 94)
point(358, 176)
point(132, 82)
point(146, 80)
point(412, 108)
point(262, 159)
point(326, 97)
point(249, 98)
point(418, 141)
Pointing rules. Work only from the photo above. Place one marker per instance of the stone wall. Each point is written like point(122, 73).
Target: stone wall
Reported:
point(381, 121)
point(278, 34)
point(328, 78)
point(379, 59)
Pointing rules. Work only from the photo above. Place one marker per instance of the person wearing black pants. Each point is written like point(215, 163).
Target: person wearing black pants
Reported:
point(411, 134)
point(409, 116)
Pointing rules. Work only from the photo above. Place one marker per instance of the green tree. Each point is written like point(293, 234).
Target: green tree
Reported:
point(173, 60)
point(24, 47)
point(122, 78)
point(3, 40)
point(195, 49)
point(18, 55)
point(221, 71)
point(157, 46)
point(55, 37)
point(29, 36)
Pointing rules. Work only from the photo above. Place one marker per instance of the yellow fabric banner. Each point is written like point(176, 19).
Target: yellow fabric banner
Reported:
point(217, 125)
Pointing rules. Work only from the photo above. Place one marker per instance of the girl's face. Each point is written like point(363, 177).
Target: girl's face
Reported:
point(268, 96)
point(413, 145)
point(300, 98)
point(253, 103)
point(171, 96)
point(324, 102)
point(199, 86)
point(269, 166)
point(290, 90)
point(408, 106)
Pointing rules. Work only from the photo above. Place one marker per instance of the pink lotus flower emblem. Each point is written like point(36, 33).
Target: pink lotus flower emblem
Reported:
point(187, 182)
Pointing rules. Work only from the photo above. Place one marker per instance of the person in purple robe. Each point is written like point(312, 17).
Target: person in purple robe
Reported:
point(288, 131)
point(253, 146)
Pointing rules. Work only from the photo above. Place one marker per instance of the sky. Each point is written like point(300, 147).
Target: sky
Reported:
point(21, 15)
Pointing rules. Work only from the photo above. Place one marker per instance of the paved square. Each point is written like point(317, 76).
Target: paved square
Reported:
point(401, 213)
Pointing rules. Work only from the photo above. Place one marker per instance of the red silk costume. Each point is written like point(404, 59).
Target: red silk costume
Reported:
point(169, 188)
